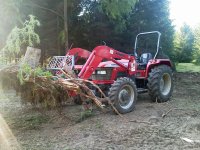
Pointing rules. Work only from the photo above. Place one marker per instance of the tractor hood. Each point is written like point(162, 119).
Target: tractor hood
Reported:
point(108, 64)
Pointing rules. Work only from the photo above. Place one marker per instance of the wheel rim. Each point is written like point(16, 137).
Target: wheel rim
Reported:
point(126, 97)
point(165, 84)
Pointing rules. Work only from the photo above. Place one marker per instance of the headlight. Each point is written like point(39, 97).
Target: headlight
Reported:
point(133, 66)
point(101, 72)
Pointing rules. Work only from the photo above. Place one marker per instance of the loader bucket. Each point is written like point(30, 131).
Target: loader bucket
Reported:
point(58, 63)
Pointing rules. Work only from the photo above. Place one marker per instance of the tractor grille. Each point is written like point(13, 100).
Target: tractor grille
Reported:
point(59, 62)
point(102, 74)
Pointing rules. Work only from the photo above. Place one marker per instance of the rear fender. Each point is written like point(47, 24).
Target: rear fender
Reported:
point(157, 62)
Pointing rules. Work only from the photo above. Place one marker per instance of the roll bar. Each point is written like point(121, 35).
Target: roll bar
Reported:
point(144, 33)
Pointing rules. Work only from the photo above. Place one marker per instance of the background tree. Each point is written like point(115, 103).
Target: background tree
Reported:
point(196, 52)
point(10, 17)
point(184, 45)
point(22, 37)
point(147, 15)
point(90, 22)
point(151, 15)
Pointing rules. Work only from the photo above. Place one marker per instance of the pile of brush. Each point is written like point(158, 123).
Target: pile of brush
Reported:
point(41, 88)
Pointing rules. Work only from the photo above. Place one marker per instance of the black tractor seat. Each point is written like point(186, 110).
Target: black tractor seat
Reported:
point(143, 60)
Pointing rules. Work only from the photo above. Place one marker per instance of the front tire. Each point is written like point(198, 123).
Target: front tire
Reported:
point(160, 83)
point(123, 95)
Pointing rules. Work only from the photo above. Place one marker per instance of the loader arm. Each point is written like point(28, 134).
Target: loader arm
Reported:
point(104, 52)
point(79, 53)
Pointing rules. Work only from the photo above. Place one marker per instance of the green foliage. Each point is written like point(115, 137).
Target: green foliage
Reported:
point(30, 37)
point(25, 72)
point(119, 30)
point(183, 43)
point(92, 21)
point(25, 36)
point(196, 53)
point(187, 67)
point(40, 72)
point(151, 15)
point(10, 17)
point(62, 37)
point(116, 9)
point(85, 114)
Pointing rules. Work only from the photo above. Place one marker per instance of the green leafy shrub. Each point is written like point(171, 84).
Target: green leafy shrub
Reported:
point(25, 36)
point(25, 72)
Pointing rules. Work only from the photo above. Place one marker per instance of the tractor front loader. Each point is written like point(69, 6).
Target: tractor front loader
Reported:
point(121, 76)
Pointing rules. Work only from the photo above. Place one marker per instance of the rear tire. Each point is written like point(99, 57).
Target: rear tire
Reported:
point(160, 83)
point(123, 95)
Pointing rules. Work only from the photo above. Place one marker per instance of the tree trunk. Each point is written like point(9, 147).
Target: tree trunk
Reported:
point(66, 24)
point(32, 57)
point(58, 41)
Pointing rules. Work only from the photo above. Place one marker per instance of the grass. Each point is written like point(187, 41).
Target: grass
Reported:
point(30, 122)
point(84, 115)
point(187, 67)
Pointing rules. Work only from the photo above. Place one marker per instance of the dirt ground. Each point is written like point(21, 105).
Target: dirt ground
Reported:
point(22, 127)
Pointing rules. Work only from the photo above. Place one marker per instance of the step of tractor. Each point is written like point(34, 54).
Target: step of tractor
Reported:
point(142, 90)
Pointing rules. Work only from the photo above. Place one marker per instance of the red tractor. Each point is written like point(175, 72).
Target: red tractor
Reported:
point(122, 76)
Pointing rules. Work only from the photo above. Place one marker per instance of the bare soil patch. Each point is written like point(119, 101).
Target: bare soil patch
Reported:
point(46, 130)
